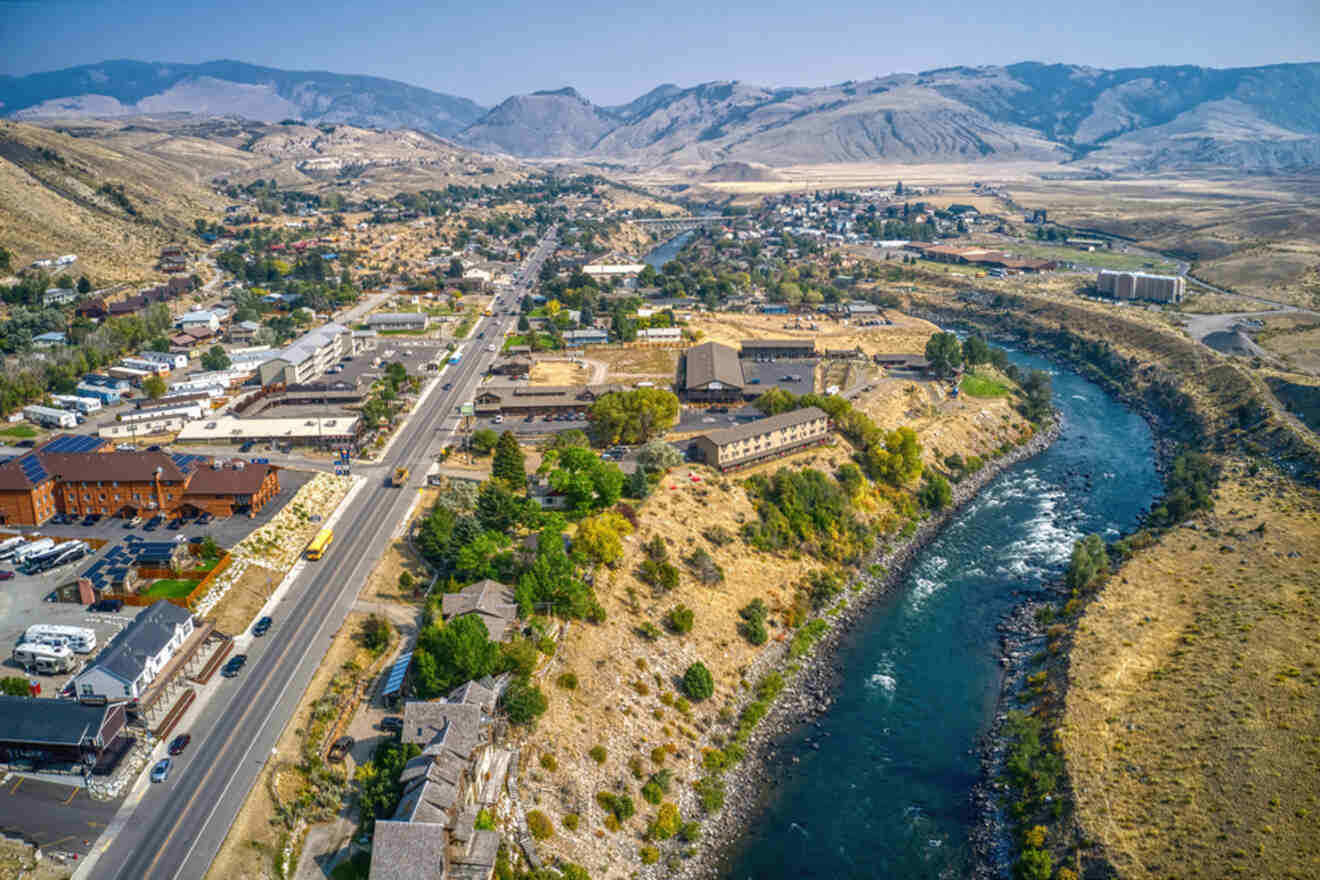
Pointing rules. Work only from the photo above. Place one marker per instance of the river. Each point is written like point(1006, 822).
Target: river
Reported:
point(663, 253)
point(883, 786)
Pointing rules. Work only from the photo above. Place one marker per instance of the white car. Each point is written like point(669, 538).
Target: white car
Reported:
point(499, 420)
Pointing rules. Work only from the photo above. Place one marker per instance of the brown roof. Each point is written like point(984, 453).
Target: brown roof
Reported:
point(725, 436)
point(14, 476)
point(247, 480)
point(712, 362)
point(778, 343)
point(126, 466)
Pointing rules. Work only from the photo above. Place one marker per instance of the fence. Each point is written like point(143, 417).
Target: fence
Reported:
point(188, 601)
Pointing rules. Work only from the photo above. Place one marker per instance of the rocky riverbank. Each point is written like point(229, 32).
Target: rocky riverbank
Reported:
point(810, 691)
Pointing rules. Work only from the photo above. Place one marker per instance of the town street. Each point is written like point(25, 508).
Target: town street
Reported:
point(179, 825)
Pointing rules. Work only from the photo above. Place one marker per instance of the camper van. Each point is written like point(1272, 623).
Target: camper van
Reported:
point(10, 545)
point(27, 551)
point(46, 659)
point(60, 554)
point(77, 638)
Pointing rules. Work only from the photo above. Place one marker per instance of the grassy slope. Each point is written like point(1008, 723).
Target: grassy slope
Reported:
point(1190, 732)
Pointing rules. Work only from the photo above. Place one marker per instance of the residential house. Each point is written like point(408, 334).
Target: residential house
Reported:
point(492, 601)
point(200, 318)
point(58, 296)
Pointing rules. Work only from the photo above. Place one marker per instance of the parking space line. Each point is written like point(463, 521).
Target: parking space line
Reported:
point(71, 796)
point(17, 783)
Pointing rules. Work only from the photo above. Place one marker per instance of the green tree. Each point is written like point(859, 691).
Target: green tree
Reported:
point(698, 683)
point(524, 325)
point(1033, 864)
point(215, 359)
point(657, 455)
point(1038, 391)
point(976, 351)
point(1089, 564)
point(600, 538)
point(935, 493)
point(944, 353)
point(455, 269)
point(588, 482)
point(680, 619)
point(508, 463)
point(154, 387)
point(523, 702)
point(484, 440)
point(84, 286)
point(460, 650)
point(15, 686)
point(633, 416)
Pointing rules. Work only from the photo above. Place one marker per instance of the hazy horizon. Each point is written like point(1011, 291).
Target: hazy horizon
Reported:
point(616, 54)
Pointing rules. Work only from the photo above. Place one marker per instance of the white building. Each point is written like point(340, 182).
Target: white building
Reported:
point(202, 318)
point(58, 296)
point(175, 360)
point(50, 417)
point(309, 356)
point(137, 654)
point(613, 270)
point(398, 321)
point(660, 334)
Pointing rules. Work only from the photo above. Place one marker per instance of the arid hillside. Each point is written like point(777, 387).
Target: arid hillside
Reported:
point(110, 205)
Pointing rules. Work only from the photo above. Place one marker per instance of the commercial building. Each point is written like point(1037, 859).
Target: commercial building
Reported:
point(587, 336)
point(53, 735)
point(613, 270)
point(387, 321)
point(326, 433)
point(777, 348)
point(309, 356)
point(137, 654)
point(763, 439)
point(1139, 285)
point(536, 400)
point(79, 475)
point(712, 373)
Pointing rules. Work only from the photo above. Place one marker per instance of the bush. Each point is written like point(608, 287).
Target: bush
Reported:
point(570, 821)
point(698, 682)
point(658, 754)
point(680, 619)
point(376, 634)
point(540, 825)
point(598, 754)
point(651, 793)
point(718, 536)
point(710, 792)
point(548, 762)
point(619, 806)
point(752, 626)
point(666, 824)
point(650, 855)
point(523, 702)
point(704, 567)
point(485, 821)
point(662, 576)
point(690, 831)
point(567, 680)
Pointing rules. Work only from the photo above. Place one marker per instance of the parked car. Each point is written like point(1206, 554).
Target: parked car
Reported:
point(447, 386)
point(530, 419)
point(107, 606)
point(161, 771)
point(133, 522)
point(341, 747)
point(499, 420)
point(154, 523)
point(6, 575)
point(262, 626)
point(392, 723)
point(233, 665)
point(175, 524)
point(204, 519)
point(89, 519)
point(247, 445)
point(179, 743)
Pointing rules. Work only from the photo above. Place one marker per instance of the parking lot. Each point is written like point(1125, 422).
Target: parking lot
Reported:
point(413, 355)
point(23, 599)
point(57, 818)
point(764, 375)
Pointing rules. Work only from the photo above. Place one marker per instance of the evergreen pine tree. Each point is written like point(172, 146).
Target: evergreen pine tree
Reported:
point(508, 463)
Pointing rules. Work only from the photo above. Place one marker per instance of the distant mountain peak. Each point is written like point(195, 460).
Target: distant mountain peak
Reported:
point(565, 92)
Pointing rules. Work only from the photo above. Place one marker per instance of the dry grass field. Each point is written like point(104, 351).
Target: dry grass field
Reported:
point(1296, 339)
point(559, 373)
point(907, 335)
point(630, 364)
point(1191, 732)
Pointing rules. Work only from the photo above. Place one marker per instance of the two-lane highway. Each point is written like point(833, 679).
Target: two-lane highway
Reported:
point(179, 826)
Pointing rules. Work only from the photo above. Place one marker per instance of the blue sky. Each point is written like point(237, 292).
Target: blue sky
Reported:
point(613, 52)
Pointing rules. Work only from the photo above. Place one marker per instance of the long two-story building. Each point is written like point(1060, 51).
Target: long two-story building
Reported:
point(763, 439)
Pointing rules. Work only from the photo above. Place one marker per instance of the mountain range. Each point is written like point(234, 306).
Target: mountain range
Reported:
point(1150, 118)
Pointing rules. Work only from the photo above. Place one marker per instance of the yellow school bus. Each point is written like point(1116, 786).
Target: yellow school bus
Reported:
point(317, 548)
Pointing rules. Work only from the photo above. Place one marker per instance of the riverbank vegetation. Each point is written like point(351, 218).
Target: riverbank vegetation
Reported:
point(1177, 672)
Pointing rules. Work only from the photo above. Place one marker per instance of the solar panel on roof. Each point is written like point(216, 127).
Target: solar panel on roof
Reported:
point(394, 683)
point(33, 469)
point(74, 443)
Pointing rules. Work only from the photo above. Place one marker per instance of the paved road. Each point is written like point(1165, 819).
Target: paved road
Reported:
point(179, 825)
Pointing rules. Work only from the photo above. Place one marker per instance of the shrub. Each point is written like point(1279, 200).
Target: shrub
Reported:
point(651, 793)
point(680, 619)
point(548, 762)
point(807, 636)
point(658, 754)
point(570, 821)
point(649, 631)
point(710, 792)
point(375, 635)
point(597, 754)
point(704, 567)
point(635, 765)
point(718, 536)
point(752, 625)
point(697, 682)
point(1033, 864)
point(523, 702)
point(666, 824)
point(619, 806)
point(690, 831)
point(540, 825)
point(485, 821)
point(662, 576)
point(567, 680)
point(546, 646)
point(650, 855)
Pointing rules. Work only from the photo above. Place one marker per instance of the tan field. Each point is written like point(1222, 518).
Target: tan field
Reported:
point(907, 335)
point(559, 373)
point(1190, 730)
point(630, 364)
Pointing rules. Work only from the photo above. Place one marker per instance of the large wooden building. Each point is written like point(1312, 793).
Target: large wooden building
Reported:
point(80, 475)
point(712, 374)
point(763, 439)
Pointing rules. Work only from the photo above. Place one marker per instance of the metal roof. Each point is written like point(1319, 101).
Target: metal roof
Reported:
point(394, 681)
point(50, 722)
